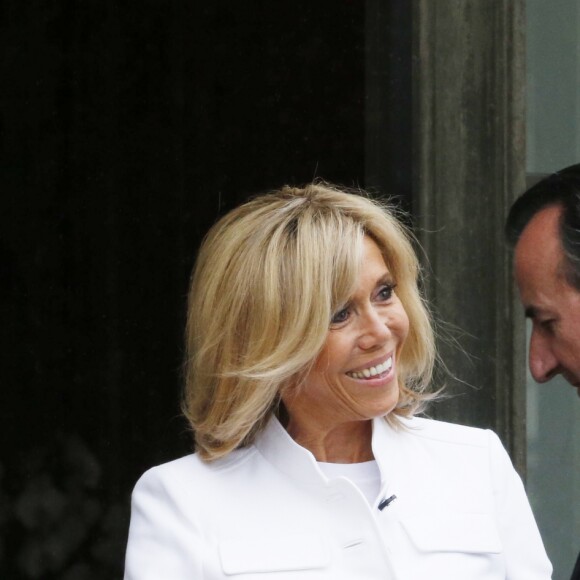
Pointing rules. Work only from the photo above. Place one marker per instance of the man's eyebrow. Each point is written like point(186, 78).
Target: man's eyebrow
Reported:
point(531, 312)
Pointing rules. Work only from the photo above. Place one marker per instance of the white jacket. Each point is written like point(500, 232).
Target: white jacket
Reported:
point(268, 512)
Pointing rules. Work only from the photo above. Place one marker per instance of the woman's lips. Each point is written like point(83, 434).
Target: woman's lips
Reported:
point(375, 369)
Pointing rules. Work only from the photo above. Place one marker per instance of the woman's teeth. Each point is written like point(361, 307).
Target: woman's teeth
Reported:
point(373, 371)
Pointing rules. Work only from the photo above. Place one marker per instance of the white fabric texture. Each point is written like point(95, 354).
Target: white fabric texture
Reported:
point(366, 476)
point(268, 512)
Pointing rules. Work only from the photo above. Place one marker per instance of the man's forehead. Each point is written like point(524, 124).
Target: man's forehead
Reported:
point(538, 259)
point(539, 246)
point(543, 228)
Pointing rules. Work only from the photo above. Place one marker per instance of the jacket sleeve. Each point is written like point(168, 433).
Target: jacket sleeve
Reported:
point(163, 543)
point(525, 556)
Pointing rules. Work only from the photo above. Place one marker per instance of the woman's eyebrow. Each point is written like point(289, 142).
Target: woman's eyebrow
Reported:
point(386, 278)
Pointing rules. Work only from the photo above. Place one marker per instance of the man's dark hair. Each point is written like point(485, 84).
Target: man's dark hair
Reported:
point(562, 189)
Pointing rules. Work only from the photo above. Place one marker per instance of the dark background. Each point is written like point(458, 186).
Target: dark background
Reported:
point(126, 129)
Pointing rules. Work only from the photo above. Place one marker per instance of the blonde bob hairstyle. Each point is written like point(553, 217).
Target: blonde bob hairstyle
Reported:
point(268, 278)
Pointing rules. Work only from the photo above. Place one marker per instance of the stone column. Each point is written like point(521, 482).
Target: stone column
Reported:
point(469, 164)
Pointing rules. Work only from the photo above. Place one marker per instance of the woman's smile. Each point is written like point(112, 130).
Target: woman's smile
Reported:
point(374, 370)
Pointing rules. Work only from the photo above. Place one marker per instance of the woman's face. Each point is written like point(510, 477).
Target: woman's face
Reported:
point(355, 375)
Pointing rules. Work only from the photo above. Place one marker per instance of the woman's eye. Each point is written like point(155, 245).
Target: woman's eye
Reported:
point(340, 316)
point(386, 292)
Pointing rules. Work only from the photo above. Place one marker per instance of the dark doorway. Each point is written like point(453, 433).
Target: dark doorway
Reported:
point(126, 129)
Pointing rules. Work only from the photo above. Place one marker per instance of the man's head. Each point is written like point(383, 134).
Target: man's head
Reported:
point(544, 227)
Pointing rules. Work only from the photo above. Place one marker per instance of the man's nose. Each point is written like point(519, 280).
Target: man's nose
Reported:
point(543, 363)
point(374, 329)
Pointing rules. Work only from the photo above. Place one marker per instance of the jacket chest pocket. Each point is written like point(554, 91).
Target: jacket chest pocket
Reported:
point(273, 554)
point(467, 533)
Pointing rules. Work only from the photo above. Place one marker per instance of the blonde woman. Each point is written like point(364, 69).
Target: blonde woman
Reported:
point(309, 357)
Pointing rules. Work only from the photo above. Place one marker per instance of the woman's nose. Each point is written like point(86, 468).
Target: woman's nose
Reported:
point(374, 330)
point(543, 363)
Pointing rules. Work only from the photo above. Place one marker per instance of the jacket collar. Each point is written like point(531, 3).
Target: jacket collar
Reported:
point(279, 449)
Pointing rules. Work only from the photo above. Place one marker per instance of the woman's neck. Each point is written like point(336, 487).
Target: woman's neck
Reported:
point(348, 442)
